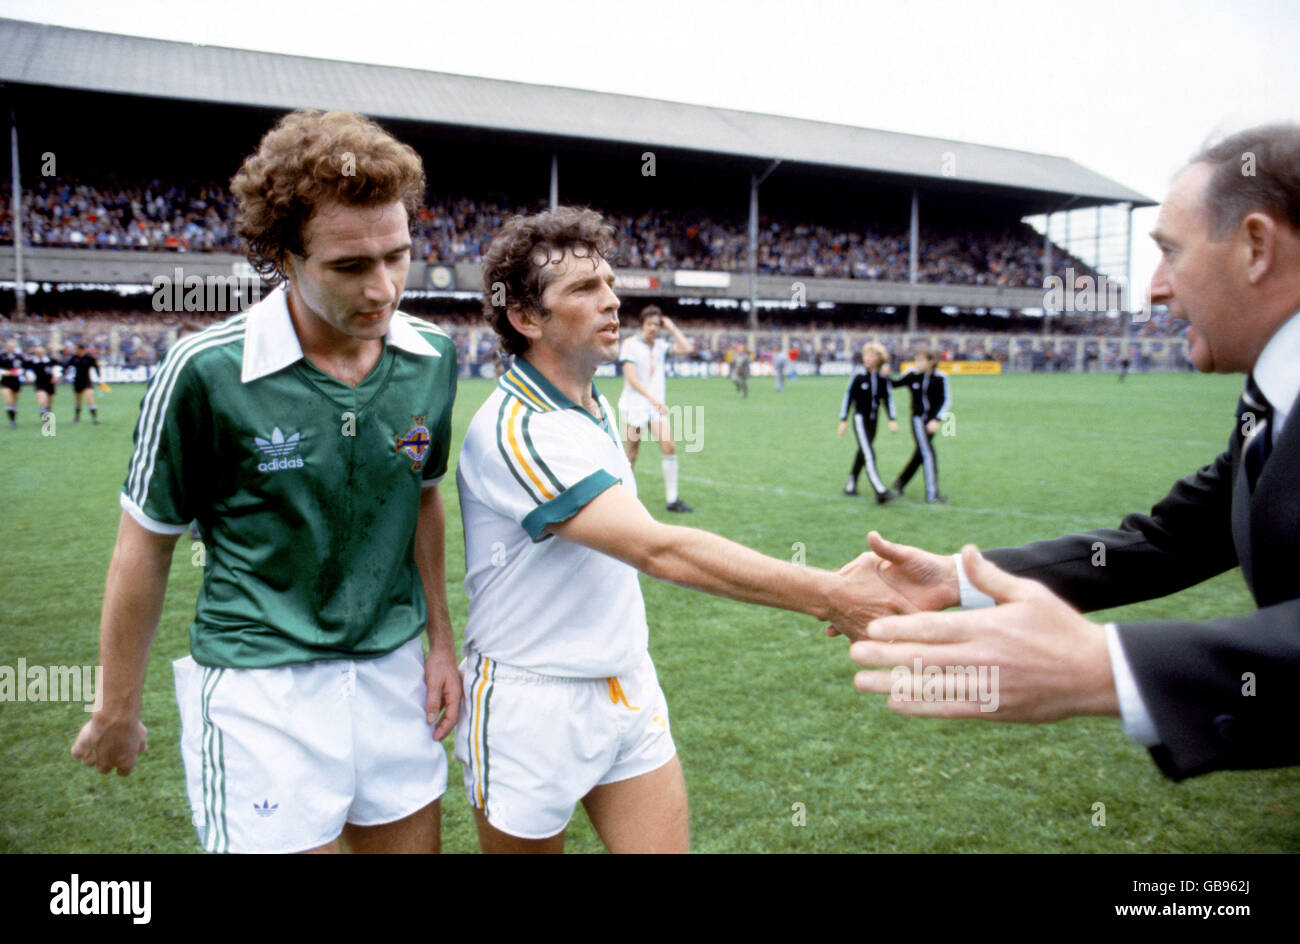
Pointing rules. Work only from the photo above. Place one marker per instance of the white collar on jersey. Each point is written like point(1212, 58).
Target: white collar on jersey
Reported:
point(271, 344)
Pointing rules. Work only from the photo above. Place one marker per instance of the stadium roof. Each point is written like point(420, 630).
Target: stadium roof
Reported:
point(42, 55)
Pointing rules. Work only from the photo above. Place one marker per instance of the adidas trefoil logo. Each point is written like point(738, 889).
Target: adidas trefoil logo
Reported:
point(281, 450)
point(267, 808)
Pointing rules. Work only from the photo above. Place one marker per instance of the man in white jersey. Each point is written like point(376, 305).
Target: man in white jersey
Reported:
point(561, 701)
point(643, 361)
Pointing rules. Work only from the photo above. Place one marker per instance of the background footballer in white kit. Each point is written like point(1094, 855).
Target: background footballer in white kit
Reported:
point(643, 362)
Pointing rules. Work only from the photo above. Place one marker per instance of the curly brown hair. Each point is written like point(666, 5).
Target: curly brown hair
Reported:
point(311, 159)
point(520, 263)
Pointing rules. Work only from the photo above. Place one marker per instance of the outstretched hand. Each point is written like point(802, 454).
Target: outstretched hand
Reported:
point(1041, 660)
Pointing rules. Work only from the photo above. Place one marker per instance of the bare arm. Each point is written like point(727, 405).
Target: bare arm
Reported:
point(440, 671)
point(681, 343)
point(113, 738)
point(616, 524)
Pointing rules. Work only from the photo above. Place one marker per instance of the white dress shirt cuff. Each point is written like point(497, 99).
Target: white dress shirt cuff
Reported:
point(1136, 722)
point(970, 597)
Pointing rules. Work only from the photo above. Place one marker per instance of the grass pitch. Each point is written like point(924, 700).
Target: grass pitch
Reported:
point(765, 716)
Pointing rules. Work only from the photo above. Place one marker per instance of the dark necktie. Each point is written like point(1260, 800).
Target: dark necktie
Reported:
point(1254, 418)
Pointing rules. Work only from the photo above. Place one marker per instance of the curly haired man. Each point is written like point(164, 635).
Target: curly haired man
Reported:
point(306, 437)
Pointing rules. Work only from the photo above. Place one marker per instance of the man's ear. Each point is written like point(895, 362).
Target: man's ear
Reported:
point(286, 265)
point(1258, 245)
point(526, 320)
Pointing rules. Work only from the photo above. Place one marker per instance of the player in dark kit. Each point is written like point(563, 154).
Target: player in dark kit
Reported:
point(868, 389)
point(740, 369)
point(84, 370)
point(11, 380)
point(43, 368)
point(930, 400)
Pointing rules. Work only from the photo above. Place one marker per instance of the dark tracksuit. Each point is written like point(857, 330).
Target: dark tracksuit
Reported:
point(11, 378)
point(11, 370)
point(740, 373)
point(930, 401)
point(84, 370)
point(42, 369)
point(867, 390)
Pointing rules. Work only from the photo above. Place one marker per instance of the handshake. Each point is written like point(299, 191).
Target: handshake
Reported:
point(1046, 661)
point(907, 579)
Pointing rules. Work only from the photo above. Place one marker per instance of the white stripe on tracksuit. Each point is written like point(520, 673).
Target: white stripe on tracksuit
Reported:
point(860, 428)
point(947, 396)
point(927, 456)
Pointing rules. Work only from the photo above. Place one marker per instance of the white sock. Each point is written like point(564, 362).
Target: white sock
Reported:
point(670, 479)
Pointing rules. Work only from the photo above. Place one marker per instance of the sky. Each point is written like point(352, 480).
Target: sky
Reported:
point(1129, 89)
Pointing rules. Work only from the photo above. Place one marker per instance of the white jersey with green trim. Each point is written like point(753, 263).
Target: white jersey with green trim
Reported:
point(532, 457)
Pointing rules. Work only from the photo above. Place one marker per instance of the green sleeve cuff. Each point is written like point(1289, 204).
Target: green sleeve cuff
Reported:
point(567, 504)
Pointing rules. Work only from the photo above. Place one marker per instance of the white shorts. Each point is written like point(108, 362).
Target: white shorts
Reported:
point(534, 745)
point(638, 415)
point(277, 760)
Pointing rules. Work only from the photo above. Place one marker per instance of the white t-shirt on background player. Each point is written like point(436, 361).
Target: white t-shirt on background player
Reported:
point(651, 366)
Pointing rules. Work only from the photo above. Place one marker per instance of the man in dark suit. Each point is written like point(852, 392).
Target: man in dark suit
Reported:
point(1202, 696)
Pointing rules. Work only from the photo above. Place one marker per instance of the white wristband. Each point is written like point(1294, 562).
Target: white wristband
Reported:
point(971, 598)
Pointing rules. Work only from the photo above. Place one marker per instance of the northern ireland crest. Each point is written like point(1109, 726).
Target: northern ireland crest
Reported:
point(414, 443)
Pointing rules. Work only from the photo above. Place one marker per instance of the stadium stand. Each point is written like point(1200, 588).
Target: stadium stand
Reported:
point(834, 263)
point(187, 216)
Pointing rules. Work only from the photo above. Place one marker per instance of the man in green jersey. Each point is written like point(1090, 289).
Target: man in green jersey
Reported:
point(306, 437)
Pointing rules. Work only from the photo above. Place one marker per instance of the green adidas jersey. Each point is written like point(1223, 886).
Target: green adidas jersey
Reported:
point(306, 490)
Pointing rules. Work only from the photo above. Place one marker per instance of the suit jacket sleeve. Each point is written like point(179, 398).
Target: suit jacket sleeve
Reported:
point(1220, 692)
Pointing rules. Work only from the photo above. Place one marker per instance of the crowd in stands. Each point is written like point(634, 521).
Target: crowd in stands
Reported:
point(109, 214)
point(198, 216)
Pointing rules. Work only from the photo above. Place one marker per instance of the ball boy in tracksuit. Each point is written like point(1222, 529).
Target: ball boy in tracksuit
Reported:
point(930, 401)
